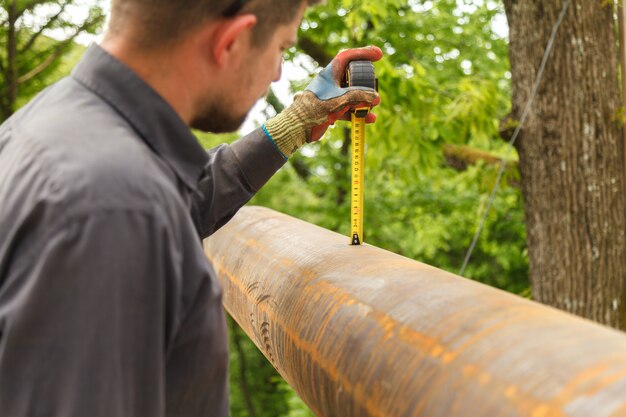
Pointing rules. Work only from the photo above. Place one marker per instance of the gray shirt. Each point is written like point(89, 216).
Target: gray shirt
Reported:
point(108, 306)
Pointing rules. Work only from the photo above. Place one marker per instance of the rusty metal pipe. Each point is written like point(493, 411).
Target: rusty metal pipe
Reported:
point(358, 331)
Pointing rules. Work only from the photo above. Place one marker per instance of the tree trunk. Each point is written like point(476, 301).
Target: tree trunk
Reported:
point(572, 156)
point(11, 76)
point(235, 331)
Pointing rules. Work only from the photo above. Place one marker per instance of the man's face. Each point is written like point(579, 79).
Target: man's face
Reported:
point(226, 112)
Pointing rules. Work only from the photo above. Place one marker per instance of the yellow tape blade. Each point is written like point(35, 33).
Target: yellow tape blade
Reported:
point(358, 171)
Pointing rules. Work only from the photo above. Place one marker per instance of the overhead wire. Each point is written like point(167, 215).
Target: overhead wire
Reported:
point(513, 139)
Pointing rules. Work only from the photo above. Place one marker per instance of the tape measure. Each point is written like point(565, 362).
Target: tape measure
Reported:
point(358, 74)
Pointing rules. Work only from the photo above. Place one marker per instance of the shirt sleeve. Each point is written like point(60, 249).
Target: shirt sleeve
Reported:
point(93, 311)
point(233, 174)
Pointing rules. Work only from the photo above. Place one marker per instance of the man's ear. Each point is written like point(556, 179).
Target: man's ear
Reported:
point(228, 37)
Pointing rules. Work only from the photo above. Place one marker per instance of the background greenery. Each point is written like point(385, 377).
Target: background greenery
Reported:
point(444, 83)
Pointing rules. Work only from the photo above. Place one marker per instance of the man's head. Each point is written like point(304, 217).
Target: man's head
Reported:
point(211, 59)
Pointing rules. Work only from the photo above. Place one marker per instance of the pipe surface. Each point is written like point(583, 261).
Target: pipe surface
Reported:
point(358, 331)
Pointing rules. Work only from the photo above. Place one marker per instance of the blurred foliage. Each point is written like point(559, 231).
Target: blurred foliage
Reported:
point(444, 80)
point(37, 44)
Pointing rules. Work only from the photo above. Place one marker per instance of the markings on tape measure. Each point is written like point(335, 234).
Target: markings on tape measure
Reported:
point(358, 164)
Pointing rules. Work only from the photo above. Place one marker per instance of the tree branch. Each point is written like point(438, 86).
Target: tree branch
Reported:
point(11, 54)
point(302, 169)
point(461, 156)
point(315, 51)
point(31, 4)
point(4, 107)
point(507, 127)
point(58, 50)
point(40, 68)
point(3, 69)
point(49, 23)
point(274, 101)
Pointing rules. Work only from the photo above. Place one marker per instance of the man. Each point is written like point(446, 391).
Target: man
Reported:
point(108, 306)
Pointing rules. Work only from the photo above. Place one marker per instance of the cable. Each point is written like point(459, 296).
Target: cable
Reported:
point(533, 93)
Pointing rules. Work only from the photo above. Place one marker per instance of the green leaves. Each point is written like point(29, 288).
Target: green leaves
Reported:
point(37, 44)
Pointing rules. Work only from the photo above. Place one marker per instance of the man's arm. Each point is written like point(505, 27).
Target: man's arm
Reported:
point(234, 174)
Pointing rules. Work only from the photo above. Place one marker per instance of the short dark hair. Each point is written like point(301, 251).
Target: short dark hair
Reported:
point(163, 22)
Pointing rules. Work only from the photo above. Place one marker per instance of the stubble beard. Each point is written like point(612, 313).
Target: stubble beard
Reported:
point(217, 118)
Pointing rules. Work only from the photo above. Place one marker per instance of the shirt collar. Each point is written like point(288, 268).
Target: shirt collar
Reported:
point(150, 115)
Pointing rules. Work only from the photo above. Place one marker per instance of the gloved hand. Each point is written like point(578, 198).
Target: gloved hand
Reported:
point(322, 103)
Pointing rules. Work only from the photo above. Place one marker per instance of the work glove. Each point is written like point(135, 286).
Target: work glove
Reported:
point(322, 103)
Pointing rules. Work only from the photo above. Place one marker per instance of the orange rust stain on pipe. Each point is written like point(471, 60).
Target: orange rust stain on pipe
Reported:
point(619, 413)
point(592, 377)
point(521, 314)
point(511, 391)
point(390, 327)
point(546, 411)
